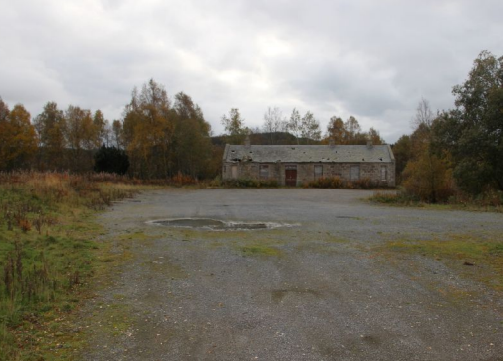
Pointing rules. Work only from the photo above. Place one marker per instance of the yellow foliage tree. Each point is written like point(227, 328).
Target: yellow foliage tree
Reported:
point(428, 174)
point(148, 131)
point(18, 142)
point(51, 126)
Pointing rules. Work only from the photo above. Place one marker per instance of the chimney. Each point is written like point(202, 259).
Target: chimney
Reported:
point(247, 141)
point(331, 143)
point(369, 144)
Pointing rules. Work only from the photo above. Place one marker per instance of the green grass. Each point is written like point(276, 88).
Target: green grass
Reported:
point(260, 250)
point(48, 256)
point(486, 254)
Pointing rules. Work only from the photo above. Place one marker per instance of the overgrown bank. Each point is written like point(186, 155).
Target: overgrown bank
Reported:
point(48, 256)
point(489, 201)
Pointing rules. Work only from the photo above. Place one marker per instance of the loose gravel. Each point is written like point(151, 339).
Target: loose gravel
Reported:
point(315, 291)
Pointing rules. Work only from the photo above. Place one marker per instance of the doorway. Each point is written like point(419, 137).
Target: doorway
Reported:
point(291, 175)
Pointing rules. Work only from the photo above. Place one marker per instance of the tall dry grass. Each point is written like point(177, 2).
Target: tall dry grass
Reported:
point(47, 250)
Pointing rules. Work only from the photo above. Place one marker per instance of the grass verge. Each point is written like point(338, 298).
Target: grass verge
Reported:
point(487, 202)
point(48, 255)
point(480, 259)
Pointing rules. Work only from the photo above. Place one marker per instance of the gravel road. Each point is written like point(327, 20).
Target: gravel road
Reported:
point(319, 290)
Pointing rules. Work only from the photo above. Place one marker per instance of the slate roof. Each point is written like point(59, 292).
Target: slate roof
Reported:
point(308, 153)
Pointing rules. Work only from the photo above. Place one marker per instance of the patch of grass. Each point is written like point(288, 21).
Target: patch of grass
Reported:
point(115, 319)
point(48, 256)
point(485, 253)
point(260, 250)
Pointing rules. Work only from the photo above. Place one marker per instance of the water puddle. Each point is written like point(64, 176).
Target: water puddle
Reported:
point(217, 225)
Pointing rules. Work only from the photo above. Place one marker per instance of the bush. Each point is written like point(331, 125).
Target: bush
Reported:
point(328, 183)
point(337, 183)
point(250, 183)
point(390, 197)
point(181, 180)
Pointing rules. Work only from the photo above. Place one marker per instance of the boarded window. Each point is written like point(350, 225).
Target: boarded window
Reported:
point(355, 173)
point(383, 173)
point(318, 171)
point(264, 171)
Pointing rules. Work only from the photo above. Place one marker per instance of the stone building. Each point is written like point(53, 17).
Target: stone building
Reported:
point(293, 165)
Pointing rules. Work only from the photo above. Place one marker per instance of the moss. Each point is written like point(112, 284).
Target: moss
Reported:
point(260, 250)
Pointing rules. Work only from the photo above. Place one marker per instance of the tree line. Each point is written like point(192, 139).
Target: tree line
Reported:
point(157, 138)
point(297, 129)
point(459, 149)
point(160, 137)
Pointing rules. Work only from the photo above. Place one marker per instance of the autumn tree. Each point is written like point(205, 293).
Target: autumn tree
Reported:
point(18, 143)
point(116, 135)
point(353, 132)
point(192, 148)
point(148, 131)
point(374, 137)
point(473, 131)
point(336, 130)
point(427, 175)
point(51, 128)
point(82, 138)
point(350, 132)
point(102, 128)
point(4, 110)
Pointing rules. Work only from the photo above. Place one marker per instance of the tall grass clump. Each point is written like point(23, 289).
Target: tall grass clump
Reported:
point(47, 253)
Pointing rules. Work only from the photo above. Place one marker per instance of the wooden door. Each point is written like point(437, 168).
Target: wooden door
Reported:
point(234, 172)
point(291, 176)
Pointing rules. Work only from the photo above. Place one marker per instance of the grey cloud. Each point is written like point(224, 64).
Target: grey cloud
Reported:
point(374, 60)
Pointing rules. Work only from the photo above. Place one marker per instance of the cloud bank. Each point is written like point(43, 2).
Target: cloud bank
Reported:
point(374, 60)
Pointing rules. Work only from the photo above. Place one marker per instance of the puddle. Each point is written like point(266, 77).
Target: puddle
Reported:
point(217, 225)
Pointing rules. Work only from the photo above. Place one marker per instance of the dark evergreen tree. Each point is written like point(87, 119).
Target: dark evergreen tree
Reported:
point(111, 160)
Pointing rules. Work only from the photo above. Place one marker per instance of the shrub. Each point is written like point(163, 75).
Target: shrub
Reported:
point(250, 183)
point(328, 183)
point(337, 183)
point(391, 197)
point(181, 180)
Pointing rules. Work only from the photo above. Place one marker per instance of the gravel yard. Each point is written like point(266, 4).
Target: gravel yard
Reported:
point(321, 289)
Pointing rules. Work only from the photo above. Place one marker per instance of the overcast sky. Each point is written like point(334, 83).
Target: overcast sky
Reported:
point(370, 59)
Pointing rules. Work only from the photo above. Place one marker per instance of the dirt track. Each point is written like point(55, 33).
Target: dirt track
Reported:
point(322, 290)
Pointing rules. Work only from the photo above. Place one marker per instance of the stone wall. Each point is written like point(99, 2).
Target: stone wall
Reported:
point(305, 171)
